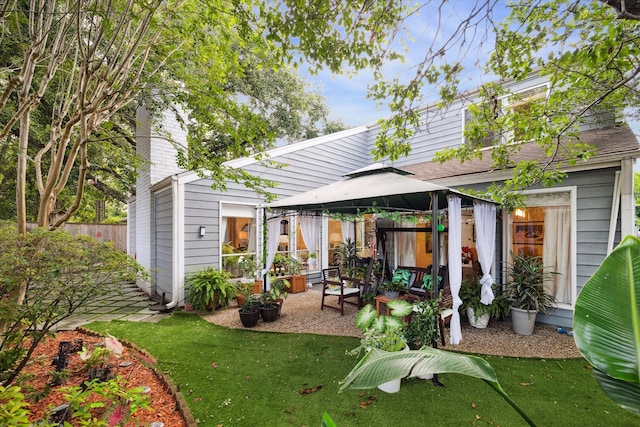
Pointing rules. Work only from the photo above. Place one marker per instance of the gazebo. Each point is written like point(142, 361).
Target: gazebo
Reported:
point(379, 188)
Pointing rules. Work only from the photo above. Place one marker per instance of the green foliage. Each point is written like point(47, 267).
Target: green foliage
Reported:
point(207, 284)
point(278, 289)
point(424, 327)
point(112, 394)
point(393, 286)
point(385, 331)
point(249, 266)
point(526, 286)
point(57, 273)
point(607, 324)
point(470, 294)
point(346, 257)
point(296, 360)
point(13, 410)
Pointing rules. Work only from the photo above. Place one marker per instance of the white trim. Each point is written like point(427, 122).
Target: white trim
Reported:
point(627, 201)
point(177, 280)
point(291, 148)
point(573, 195)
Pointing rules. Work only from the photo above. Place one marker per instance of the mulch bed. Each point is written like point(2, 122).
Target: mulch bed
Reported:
point(134, 366)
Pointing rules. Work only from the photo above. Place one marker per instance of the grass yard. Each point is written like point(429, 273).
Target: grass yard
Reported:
point(244, 378)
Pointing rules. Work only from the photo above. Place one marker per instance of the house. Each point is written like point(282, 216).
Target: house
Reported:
point(177, 223)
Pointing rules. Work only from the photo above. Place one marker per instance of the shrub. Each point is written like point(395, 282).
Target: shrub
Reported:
point(45, 277)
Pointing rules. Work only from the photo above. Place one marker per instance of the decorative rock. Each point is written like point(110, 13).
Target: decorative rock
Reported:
point(125, 364)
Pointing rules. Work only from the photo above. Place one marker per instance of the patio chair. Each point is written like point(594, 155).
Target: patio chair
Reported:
point(344, 288)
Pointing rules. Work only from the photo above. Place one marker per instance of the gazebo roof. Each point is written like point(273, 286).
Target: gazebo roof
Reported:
point(374, 187)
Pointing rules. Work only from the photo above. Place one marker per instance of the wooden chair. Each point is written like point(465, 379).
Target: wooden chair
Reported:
point(344, 288)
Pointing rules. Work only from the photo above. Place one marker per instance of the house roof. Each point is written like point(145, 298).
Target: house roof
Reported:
point(613, 143)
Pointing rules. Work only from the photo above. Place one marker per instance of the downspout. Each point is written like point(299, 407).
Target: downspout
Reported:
point(615, 207)
point(177, 280)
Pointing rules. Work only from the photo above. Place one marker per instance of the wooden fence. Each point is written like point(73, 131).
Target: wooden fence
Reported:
point(116, 233)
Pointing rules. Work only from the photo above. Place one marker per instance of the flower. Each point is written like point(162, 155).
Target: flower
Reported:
point(466, 254)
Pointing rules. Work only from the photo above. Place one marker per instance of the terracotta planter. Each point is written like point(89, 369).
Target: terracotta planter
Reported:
point(298, 284)
point(257, 286)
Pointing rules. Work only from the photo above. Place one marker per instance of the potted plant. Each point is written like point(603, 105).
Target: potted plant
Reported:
point(384, 332)
point(210, 288)
point(477, 312)
point(526, 291)
point(424, 327)
point(249, 311)
point(393, 288)
point(250, 272)
point(298, 281)
point(272, 300)
point(313, 261)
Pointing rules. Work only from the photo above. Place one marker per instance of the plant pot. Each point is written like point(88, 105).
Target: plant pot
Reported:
point(269, 312)
point(188, 306)
point(240, 300)
point(392, 386)
point(523, 321)
point(257, 286)
point(392, 294)
point(481, 322)
point(249, 319)
point(298, 284)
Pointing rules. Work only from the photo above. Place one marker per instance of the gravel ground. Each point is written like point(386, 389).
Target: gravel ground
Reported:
point(301, 313)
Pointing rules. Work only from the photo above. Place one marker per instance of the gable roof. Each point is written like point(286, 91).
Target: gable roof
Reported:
point(612, 143)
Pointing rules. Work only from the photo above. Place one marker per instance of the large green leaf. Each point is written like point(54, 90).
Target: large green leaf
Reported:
point(607, 323)
point(378, 367)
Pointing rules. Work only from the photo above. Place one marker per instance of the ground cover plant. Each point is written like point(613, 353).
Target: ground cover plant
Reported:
point(237, 377)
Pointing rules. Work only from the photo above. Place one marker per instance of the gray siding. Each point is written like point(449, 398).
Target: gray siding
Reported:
point(163, 215)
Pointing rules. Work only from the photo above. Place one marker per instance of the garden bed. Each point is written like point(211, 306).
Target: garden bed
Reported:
point(133, 366)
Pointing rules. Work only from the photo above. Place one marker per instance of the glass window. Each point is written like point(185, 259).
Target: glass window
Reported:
point(238, 236)
point(543, 229)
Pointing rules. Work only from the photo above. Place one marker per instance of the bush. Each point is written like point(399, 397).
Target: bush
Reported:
point(45, 277)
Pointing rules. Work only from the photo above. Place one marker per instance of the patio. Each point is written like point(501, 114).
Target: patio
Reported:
point(301, 313)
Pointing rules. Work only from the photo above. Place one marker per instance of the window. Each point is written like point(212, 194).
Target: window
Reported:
point(238, 236)
point(546, 229)
point(492, 111)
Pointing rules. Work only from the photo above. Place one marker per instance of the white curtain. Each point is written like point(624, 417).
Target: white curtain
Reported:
point(273, 238)
point(556, 251)
point(223, 231)
point(407, 247)
point(251, 241)
point(455, 265)
point(348, 231)
point(485, 216)
point(310, 229)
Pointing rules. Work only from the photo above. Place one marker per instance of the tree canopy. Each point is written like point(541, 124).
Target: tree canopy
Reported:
point(74, 71)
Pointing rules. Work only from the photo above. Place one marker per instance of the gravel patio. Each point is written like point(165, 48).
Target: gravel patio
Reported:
point(301, 313)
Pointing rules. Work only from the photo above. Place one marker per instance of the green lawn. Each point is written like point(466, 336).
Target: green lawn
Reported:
point(244, 378)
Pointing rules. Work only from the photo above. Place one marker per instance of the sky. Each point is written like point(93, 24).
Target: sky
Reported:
point(346, 96)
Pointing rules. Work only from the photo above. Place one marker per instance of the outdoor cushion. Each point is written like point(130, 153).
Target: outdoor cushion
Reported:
point(401, 276)
point(426, 281)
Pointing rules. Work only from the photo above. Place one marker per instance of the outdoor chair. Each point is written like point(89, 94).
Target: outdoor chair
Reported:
point(344, 288)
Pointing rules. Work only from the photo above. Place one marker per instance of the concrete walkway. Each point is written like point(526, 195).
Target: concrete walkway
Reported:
point(130, 303)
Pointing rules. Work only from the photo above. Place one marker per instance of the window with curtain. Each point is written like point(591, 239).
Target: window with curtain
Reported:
point(238, 236)
point(544, 229)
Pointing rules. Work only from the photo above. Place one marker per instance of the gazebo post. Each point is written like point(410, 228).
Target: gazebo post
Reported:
point(435, 263)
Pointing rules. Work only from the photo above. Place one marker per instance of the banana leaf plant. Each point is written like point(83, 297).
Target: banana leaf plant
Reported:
point(606, 324)
point(379, 366)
